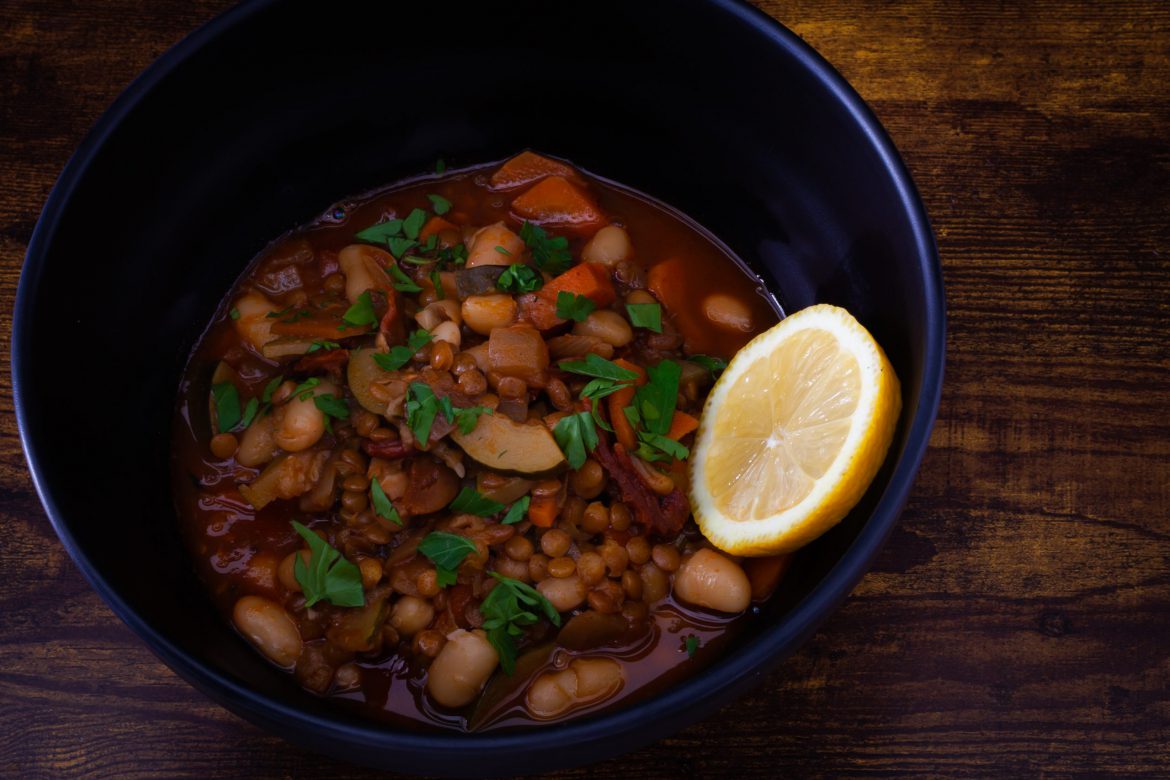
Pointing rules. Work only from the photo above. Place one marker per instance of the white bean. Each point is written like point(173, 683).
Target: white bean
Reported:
point(728, 312)
point(269, 627)
point(609, 326)
point(439, 311)
point(299, 423)
point(564, 593)
point(708, 579)
point(447, 331)
point(254, 325)
point(482, 313)
point(362, 271)
point(411, 615)
point(483, 247)
point(257, 445)
point(585, 681)
point(609, 246)
point(462, 668)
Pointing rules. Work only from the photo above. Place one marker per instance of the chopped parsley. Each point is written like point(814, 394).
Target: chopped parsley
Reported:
point(399, 245)
point(550, 254)
point(713, 364)
point(447, 552)
point(234, 313)
point(691, 643)
point(597, 366)
point(227, 405)
point(332, 406)
point(645, 315)
point(471, 502)
point(250, 412)
point(421, 408)
point(502, 250)
point(400, 355)
point(437, 283)
point(381, 232)
point(361, 313)
point(270, 388)
point(467, 418)
point(517, 511)
point(520, 278)
point(328, 576)
point(402, 282)
point(382, 505)
point(653, 411)
point(317, 346)
point(573, 306)
point(576, 436)
point(440, 166)
point(413, 223)
point(305, 389)
point(440, 204)
point(506, 612)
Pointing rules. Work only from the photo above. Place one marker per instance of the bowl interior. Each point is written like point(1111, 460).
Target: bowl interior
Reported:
point(281, 108)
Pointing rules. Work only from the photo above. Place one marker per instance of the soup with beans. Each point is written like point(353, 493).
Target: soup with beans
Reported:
point(431, 454)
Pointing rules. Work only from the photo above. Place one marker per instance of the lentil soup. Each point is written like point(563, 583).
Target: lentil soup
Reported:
point(430, 455)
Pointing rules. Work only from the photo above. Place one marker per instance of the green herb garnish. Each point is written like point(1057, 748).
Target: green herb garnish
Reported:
point(655, 400)
point(328, 576)
point(572, 306)
point(692, 644)
point(305, 389)
point(440, 166)
point(382, 505)
point(250, 412)
point(597, 366)
point(361, 312)
point(440, 204)
point(402, 282)
point(421, 408)
point(506, 613)
point(437, 283)
point(645, 315)
point(655, 446)
point(713, 364)
point(446, 551)
point(517, 511)
point(332, 406)
point(413, 223)
point(400, 355)
point(317, 346)
point(227, 405)
point(399, 245)
point(550, 254)
point(519, 278)
point(234, 313)
point(502, 250)
point(576, 436)
point(270, 388)
point(381, 232)
point(467, 418)
point(471, 502)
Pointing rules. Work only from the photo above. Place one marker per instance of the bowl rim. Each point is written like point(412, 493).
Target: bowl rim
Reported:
point(714, 684)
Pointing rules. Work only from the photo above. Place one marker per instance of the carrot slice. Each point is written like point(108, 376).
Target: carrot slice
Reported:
point(557, 202)
point(618, 401)
point(681, 424)
point(588, 279)
point(543, 511)
point(526, 168)
point(433, 226)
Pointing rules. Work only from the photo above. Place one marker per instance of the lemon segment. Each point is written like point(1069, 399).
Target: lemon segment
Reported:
point(792, 433)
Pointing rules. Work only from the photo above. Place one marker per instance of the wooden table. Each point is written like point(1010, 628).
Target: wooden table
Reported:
point(1017, 623)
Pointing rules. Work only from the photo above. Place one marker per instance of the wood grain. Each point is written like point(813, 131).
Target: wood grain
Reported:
point(1018, 622)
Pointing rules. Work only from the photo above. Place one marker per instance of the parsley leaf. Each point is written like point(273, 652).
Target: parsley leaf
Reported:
point(713, 364)
point(361, 313)
point(328, 576)
point(446, 551)
point(270, 388)
point(655, 400)
point(518, 278)
point(399, 245)
point(654, 446)
point(470, 502)
point(227, 405)
point(576, 436)
point(332, 406)
point(456, 255)
point(316, 346)
point(595, 365)
point(382, 505)
point(467, 418)
point(400, 355)
point(421, 408)
point(432, 242)
point(305, 389)
point(517, 511)
point(645, 315)
point(692, 644)
point(440, 204)
point(440, 166)
point(234, 313)
point(381, 232)
point(413, 223)
point(502, 250)
point(506, 612)
point(437, 283)
point(550, 254)
point(416, 260)
point(402, 282)
point(571, 306)
point(250, 412)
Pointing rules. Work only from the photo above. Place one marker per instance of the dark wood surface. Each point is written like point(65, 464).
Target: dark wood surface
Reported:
point(1017, 623)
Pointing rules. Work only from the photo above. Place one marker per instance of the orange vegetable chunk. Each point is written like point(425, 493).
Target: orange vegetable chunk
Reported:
point(557, 202)
point(519, 351)
point(434, 226)
point(588, 279)
point(618, 401)
point(526, 168)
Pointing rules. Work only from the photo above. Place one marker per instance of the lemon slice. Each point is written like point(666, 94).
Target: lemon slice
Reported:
point(793, 433)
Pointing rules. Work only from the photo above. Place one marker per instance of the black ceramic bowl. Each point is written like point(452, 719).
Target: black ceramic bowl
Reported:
point(263, 117)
